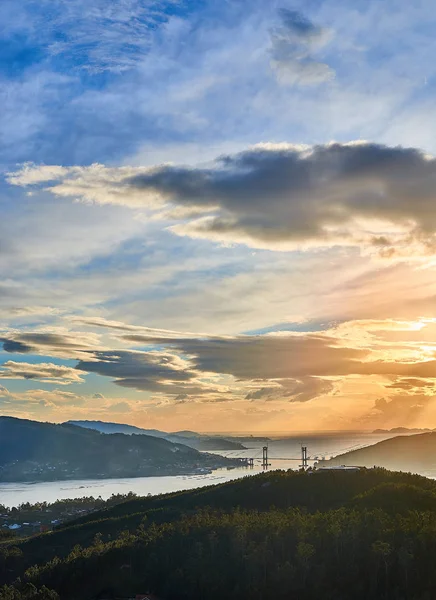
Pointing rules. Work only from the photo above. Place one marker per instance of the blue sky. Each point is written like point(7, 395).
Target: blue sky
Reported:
point(170, 165)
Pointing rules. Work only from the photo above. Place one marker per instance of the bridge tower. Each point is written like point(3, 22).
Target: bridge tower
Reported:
point(304, 463)
point(265, 463)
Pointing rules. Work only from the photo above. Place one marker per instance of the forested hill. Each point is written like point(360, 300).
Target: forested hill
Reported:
point(414, 453)
point(188, 438)
point(34, 451)
point(360, 535)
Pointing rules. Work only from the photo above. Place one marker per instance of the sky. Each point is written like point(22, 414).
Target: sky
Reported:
point(218, 215)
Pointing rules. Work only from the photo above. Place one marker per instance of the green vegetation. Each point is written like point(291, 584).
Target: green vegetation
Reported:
point(279, 535)
point(33, 451)
point(33, 518)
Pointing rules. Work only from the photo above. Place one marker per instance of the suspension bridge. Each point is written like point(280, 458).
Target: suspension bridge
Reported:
point(262, 456)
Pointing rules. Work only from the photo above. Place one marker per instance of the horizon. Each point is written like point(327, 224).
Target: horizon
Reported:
point(244, 433)
point(219, 216)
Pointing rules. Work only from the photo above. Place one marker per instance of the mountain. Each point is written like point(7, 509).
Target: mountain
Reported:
point(30, 451)
point(365, 535)
point(188, 438)
point(402, 430)
point(107, 427)
point(187, 434)
point(414, 453)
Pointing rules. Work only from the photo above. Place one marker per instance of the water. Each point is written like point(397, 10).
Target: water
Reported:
point(318, 445)
point(13, 494)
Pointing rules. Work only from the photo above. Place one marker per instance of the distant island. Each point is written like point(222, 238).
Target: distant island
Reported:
point(188, 438)
point(411, 453)
point(34, 451)
point(402, 430)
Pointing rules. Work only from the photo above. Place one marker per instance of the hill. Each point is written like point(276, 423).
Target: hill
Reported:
point(405, 430)
point(336, 535)
point(107, 427)
point(188, 438)
point(414, 453)
point(34, 451)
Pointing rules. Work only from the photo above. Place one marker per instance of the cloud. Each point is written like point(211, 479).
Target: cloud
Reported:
point(280, 197)
point(292, 48)
point(120, 407)
point(34, 399)
point(292, 363)
point(189, 367)
point(45, 372)
point(406, 410)
point(413, 385)
point(270, 356)
point(293, 390)
point(29, 311)
point(143, 331)
point(57, 342)
point(155, 371)
point(4, 392)
point(88, 34)
point(285, 366)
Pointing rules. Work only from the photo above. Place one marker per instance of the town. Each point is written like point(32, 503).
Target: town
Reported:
point(28, 519)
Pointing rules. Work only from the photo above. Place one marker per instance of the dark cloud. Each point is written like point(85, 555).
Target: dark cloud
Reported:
point(300, 195)
point(291, 365)
point(66, 345)
point(127, 365)
point(293, 390)
point(294, 357)
point(279, 196)
point(292, 48)
point(268, 357)
point(14, 346)
point(146, 371)
point(294, 366)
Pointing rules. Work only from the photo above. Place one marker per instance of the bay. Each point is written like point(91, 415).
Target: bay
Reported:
point(283, 453)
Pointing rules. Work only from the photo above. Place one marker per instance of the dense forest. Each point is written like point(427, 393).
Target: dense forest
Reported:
point(332, 535)
point(34, 451)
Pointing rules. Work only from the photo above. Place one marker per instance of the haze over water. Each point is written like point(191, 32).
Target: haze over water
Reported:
point(319, 445)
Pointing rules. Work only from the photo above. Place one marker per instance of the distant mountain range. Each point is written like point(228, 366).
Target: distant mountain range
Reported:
point(34, 451)
point(402, 430)
point(188, 438)
point(415, 453)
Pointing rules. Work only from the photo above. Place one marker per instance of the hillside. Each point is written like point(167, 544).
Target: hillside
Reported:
point(34, 451)
point(188, 438)
point(405, 430)
point(335, 535)
point(107, 427)
point(414, 453)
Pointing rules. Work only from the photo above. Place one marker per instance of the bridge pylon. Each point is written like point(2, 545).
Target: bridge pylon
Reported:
point(265, 463)
point(304, 464)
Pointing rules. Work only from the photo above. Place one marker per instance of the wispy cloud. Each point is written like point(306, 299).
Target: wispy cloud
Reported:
point(45, 372)
point(90, 34)
point(293, 46)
